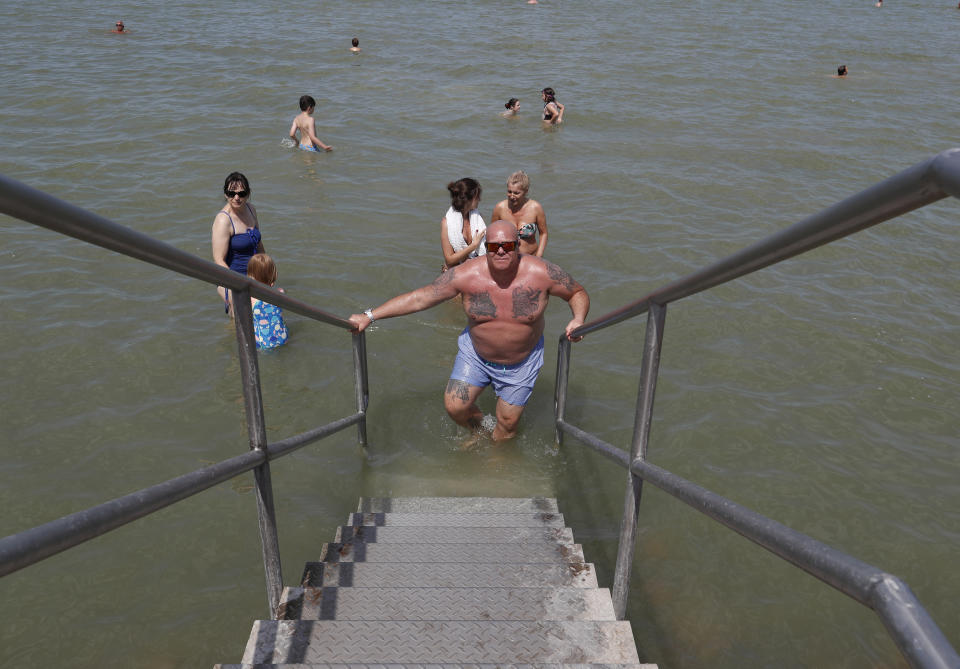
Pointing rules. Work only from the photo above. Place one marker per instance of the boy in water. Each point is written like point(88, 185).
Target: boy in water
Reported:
point(356, 45)
point(307, 126)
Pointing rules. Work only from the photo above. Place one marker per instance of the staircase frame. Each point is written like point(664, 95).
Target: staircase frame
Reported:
point(912, 629)
point(908, 623)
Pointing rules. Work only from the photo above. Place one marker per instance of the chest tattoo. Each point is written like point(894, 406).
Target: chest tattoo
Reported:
point(481, 306)
point(526, 301)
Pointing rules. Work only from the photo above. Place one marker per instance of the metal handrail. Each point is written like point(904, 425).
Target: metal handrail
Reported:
point(29, 204)
point(38, 543)
point(912, 629)
point(918, 186)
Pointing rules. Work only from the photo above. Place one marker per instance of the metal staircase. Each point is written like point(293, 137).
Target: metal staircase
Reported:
point(446, 581)
point(361, 558)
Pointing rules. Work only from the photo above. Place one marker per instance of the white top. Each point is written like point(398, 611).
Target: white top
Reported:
point(455, 230)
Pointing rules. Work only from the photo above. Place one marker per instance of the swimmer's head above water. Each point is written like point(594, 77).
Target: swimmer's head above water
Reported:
point(236, 185)
point(464, 194)
point(262, 268)
point(513, 104)
point(518, 182)
point(842, 71)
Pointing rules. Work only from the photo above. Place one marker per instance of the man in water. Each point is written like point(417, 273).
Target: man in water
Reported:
point(119, 28)
point(355, 45)
point(504, 296)
point(307, 126)
point(524, 213)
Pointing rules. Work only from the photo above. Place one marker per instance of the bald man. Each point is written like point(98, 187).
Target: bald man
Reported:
point(504, 296)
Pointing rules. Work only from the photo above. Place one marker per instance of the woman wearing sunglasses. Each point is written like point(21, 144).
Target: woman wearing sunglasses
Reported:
point(236, 233)
point(462, 229)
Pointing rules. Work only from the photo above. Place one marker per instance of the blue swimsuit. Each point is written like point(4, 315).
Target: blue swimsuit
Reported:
point(242, 247)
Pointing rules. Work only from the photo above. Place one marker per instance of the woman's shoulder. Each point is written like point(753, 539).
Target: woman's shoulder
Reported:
point(222, 218)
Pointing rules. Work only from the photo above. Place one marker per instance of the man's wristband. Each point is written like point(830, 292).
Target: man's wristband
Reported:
point(369, 314)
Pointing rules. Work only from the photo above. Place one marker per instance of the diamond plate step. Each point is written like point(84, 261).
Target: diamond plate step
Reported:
point(447, 575)
point(560, 603)
point(447, 583)
point(458, 505)
point(361, 551)
point(447, 665)
point(309, 641)
point(457, 519)
point(455, 535)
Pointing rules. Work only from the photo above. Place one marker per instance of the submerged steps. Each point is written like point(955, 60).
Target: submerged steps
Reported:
point(446, 582)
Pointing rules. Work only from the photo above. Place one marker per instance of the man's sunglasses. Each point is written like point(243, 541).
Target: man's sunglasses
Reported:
point(493, 247)
point(237, 193)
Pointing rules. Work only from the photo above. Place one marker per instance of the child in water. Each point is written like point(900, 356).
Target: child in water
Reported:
point(307, 127)
point(269, 330)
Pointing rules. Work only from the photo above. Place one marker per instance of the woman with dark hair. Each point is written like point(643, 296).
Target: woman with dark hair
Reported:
point(552, 110)
point(512, 106)
point(462, 229)
point(236, 232)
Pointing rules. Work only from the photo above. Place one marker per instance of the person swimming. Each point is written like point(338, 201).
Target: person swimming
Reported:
point(512, 106)
point(552, 110)
point(307, 126)
point(842, 71)
point(356, 45)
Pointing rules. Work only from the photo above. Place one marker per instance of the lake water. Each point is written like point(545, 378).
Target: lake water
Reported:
point(821, 392)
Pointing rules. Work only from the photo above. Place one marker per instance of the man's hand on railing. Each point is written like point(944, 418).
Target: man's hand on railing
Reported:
point(571, 326)
point(360, 322)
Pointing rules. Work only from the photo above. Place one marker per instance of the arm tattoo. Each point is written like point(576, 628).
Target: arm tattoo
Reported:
point(525, 301)
point(560, 276)
point(459, 389)
point(480, 305)
point(444, 278)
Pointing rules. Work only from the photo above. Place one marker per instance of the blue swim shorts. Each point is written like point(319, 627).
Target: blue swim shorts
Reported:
point(310, 147)
point(511, 383)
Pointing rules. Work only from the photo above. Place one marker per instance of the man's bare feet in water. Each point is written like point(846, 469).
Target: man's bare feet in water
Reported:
point(480, 434)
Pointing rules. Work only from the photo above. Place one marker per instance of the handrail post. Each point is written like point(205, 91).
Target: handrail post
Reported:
point(641, 436)
point(560, 386)
point(257, 432)
point(361, 384)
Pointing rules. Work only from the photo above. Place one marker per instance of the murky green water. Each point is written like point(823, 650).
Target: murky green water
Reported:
point(821, 393)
